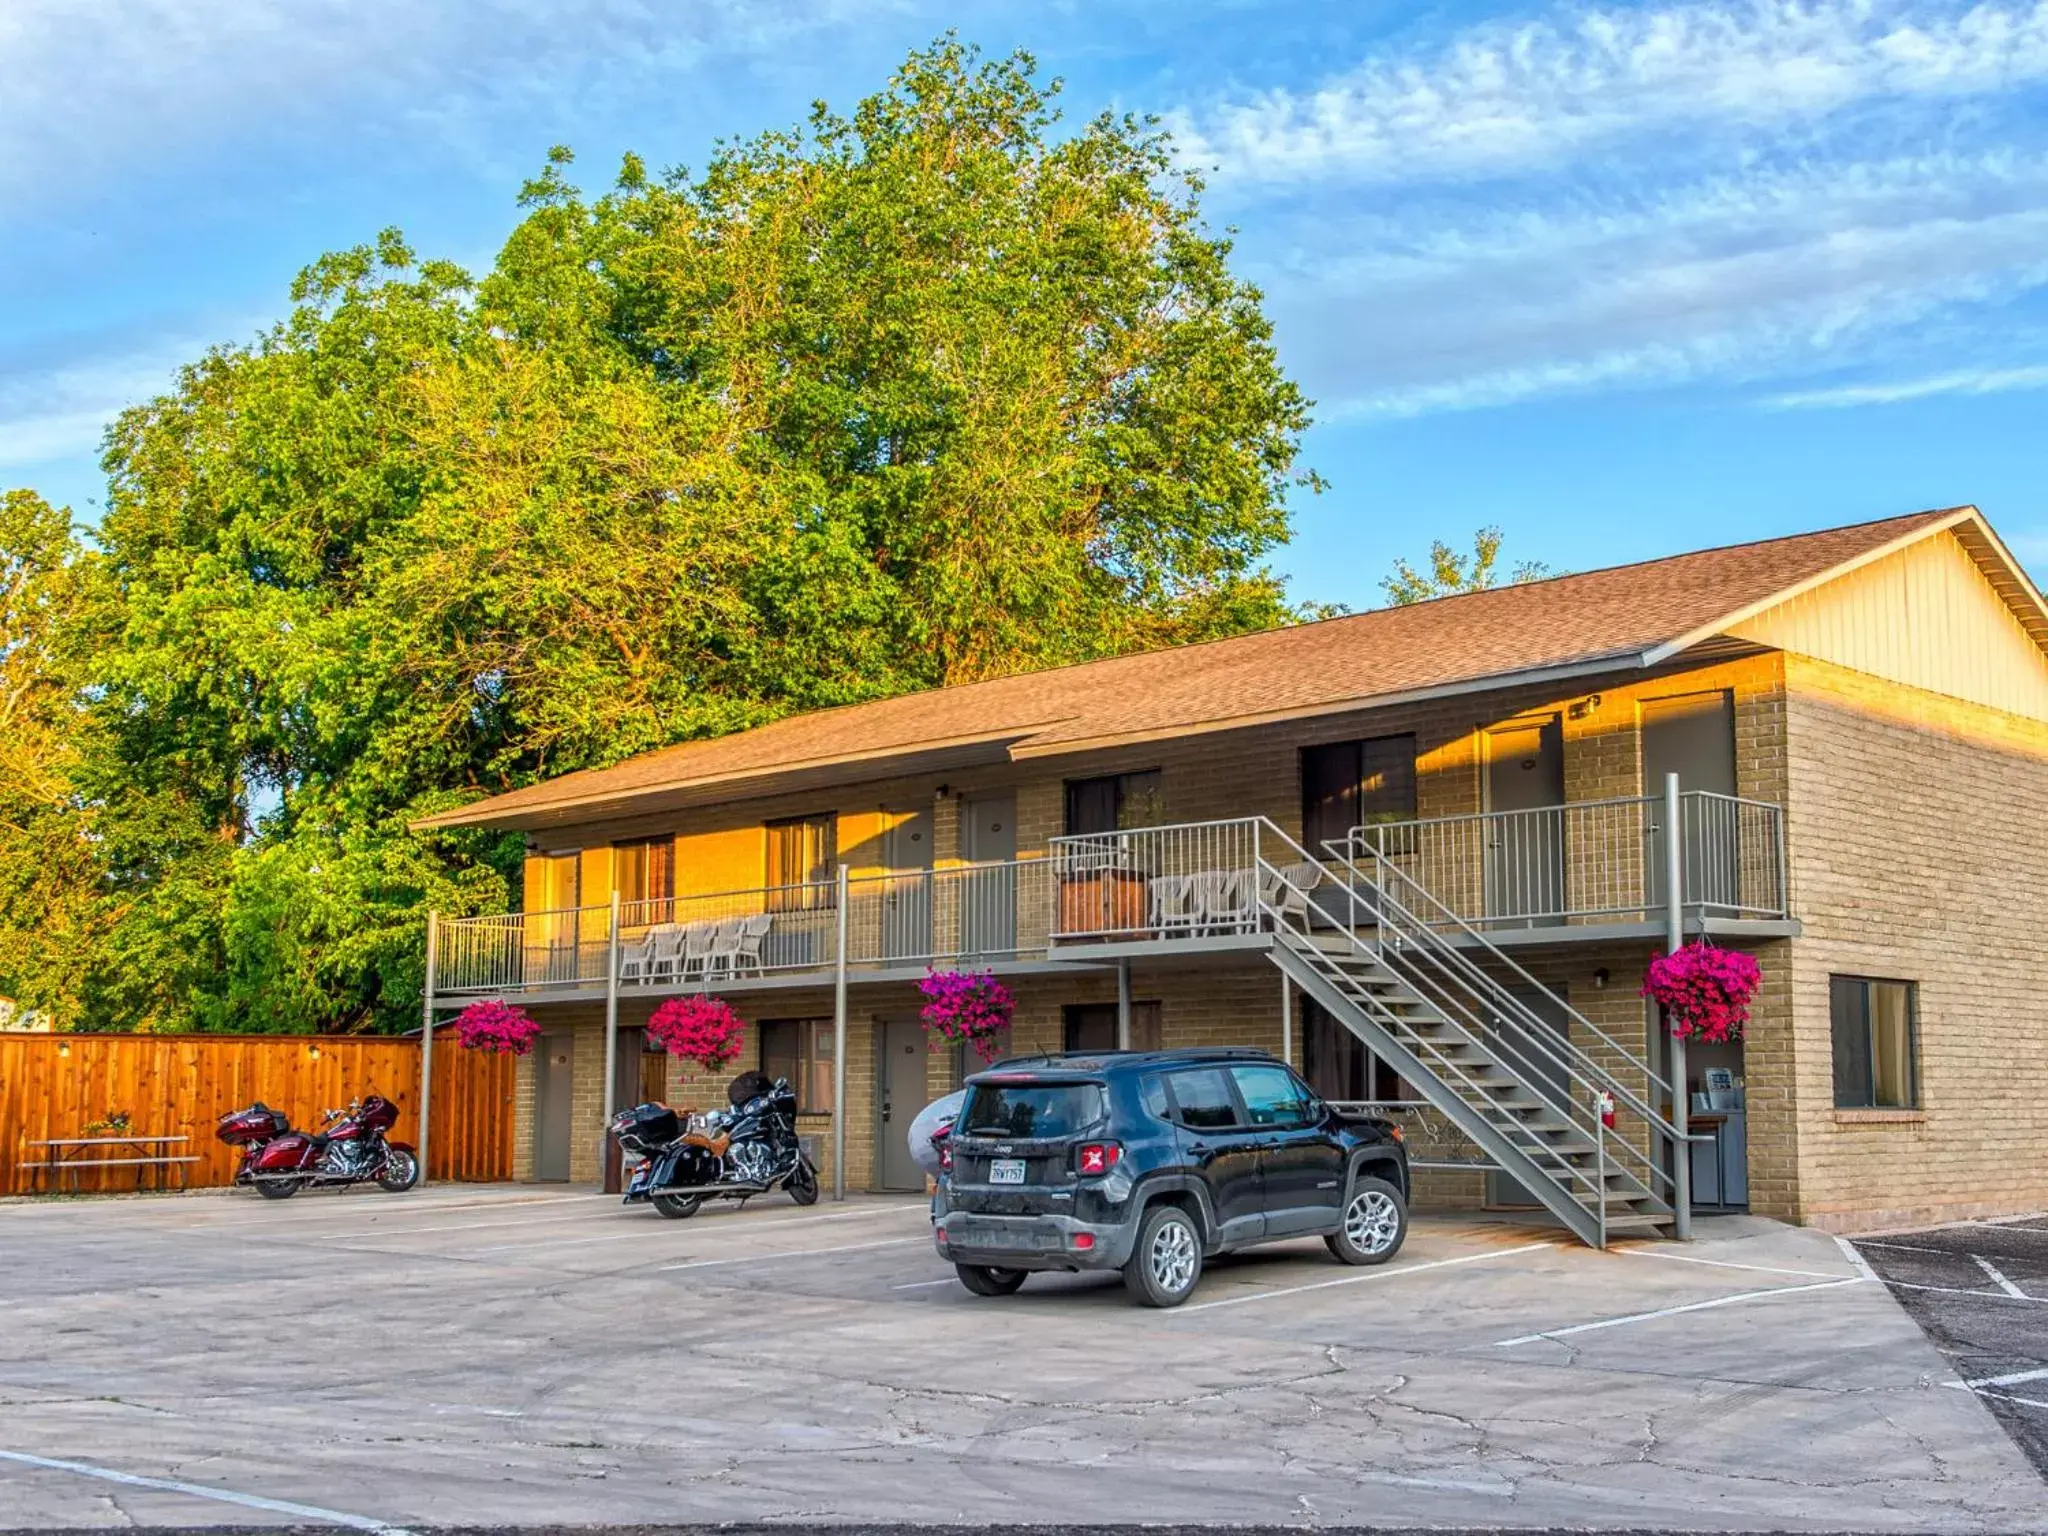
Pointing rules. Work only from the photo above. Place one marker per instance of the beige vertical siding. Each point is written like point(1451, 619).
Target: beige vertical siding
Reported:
point(1925, 616)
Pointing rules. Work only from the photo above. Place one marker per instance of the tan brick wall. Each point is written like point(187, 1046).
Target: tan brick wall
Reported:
point(1917, 829)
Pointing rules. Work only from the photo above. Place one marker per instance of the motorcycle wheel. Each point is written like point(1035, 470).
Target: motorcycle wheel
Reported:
point(401, 1172)
point(676, 1207)
point(802, 1184)
point(278, 1189)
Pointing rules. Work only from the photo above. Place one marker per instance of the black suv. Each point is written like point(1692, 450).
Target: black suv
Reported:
point(1150, 1162)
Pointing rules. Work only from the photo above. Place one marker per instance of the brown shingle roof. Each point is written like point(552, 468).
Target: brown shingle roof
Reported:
point(1623, 615)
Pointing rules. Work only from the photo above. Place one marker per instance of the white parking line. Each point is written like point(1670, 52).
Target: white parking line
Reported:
point(1391, 1273)
point(800, 1253)
point(2015, 1379)
point(2024, 1402)
point(1957, 1290)
point(1696, 1306)
point(925, 1285)
point(218, 1495)
point(1997, 1279)
point(1764, 1269)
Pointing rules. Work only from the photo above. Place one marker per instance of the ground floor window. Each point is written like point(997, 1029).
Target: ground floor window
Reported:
point(1874, 1025)
point(1339, 1067)
point(1092, 1026)
point(801, 1051)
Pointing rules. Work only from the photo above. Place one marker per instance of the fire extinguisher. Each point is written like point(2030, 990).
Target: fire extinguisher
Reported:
point(1607, 1109)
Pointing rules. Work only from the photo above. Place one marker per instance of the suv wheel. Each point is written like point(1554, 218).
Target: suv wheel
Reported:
point(1375, 1224)
point(984, 1281)
point(1167, 1260)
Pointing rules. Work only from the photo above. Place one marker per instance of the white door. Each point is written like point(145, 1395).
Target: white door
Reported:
point(900, 1091)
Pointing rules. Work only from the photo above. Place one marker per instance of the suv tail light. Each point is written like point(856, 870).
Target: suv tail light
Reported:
point(1096, 1157)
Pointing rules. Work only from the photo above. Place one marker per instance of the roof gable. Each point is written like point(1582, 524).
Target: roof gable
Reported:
point(1927, 614)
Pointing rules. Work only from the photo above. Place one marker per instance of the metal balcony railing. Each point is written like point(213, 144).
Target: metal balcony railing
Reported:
point(966, 914)
point(1591, 861)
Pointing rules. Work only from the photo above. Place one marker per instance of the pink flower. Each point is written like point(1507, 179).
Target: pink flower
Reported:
point(496, 1026)
point(1705, 991)
point(704, 1030)
point(969, 1007)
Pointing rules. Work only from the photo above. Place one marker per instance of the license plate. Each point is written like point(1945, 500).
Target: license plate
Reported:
point(1006, 1170)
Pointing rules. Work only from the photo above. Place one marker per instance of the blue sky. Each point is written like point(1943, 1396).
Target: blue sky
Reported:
point(1621, 279)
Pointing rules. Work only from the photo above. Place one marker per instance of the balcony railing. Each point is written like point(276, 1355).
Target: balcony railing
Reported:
point(1594, 860)
point(967, 914)
point(1591, 862)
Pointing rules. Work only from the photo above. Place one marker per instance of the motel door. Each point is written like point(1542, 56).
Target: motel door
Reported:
point(899, 1095)
point(1694, 737)
point(988, 896)
point(1525, 832)
point(554, 1072)
point(907, 893)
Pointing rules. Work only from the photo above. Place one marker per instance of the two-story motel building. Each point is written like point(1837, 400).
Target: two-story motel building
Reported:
point(1426, 852)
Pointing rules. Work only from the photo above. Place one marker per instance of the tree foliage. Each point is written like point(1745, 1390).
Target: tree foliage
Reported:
point(1451, 572)
point(926, 393)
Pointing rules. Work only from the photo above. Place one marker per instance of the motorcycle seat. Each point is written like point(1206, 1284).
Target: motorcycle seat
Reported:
point(319, 1142)
point(715, 1145)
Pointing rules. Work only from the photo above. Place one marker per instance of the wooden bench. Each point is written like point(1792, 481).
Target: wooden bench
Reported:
point(73, 1155)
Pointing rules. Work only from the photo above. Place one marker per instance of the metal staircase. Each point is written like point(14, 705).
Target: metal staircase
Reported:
point(1431, 995)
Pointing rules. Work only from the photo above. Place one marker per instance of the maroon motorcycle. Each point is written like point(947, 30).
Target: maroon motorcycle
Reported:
point(349, 1148)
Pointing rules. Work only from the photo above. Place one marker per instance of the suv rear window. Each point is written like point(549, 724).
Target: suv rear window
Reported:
point(1031, 1109)
point(1202, 1100)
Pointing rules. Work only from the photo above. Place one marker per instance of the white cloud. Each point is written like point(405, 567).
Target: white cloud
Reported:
point(61, 414)
point(119, 86)
point(1439, 308)
point(1502, 98)
point(1969, 381)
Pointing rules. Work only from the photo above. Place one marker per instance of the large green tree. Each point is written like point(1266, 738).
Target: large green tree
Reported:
point(927, 393)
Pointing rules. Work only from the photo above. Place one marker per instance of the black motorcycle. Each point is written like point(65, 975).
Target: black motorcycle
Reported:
point(729, 1154)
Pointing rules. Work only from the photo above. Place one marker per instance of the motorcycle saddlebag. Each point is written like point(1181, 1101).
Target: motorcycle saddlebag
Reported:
point(648, 1128)
point(285, 1154)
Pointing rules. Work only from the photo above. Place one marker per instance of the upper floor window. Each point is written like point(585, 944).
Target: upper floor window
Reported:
point(1874, 1027)
point(1346, 784)
point(1114, 802)
point(803, 859)
point(644, 870)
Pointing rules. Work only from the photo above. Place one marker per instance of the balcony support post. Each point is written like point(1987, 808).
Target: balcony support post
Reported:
point(1674, 939)
point(839, 1044)
point(1123, 1005)
point(611, 1046)
point(1286, 1020)
point(427, 1040)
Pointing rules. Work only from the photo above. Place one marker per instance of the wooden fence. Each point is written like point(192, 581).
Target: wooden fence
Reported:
point(54, 1086)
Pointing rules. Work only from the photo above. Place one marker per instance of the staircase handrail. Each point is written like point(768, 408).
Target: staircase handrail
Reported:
point(1540, 1036)
point(1442, 1066)
point(1425, 935)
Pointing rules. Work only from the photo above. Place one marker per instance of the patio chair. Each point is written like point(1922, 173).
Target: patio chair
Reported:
point(696, 955)
point(1223, 900)
point(725, 945)
point(1169, 899)
point(663, 945)
point(636, 960)
point(1286, 890)
point(753, 937)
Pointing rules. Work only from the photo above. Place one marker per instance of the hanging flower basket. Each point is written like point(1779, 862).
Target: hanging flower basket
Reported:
point(702, 1030)
point(497, 1027)
point(965, 1007)
point(1705, 991)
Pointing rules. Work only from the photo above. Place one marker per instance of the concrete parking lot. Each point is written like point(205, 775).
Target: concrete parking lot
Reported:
point(513, 1356)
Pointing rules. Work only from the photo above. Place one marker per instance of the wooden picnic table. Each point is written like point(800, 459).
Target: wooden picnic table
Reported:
point(74, 1155)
